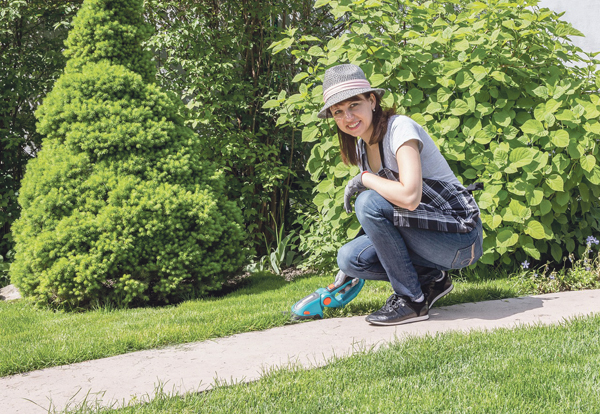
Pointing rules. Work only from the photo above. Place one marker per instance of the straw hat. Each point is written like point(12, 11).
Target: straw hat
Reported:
point(342, 82)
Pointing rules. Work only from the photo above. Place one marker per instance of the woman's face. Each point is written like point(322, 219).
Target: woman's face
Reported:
point(355, 117)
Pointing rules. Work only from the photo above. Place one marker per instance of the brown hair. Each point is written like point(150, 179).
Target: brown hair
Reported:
point(380, 124)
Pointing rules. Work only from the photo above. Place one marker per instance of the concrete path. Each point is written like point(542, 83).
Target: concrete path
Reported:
point(245, 357)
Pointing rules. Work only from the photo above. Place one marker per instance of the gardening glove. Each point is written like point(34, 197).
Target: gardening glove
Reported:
point(354, 186)
point(342, 278)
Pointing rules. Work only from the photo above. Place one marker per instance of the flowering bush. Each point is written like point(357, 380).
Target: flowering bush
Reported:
point(118, 206)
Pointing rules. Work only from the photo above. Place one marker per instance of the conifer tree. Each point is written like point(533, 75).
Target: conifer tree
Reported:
point(118, 205)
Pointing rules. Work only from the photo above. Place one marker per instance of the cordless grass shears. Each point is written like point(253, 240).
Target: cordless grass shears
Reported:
point(311, 306)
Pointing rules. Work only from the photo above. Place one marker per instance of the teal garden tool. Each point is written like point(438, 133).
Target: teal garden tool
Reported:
point(311, 306)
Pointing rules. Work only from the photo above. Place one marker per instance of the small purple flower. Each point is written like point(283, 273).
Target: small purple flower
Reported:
point(525, 265)
point(535, 274)
point(552, 277)
point(592, 240)
point(587, 269)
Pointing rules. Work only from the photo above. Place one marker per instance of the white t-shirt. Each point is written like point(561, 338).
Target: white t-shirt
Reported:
point(400, 130)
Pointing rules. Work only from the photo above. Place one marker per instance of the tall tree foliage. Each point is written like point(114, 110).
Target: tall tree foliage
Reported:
point(215, 55)
point(32, 33)
point(118, 204)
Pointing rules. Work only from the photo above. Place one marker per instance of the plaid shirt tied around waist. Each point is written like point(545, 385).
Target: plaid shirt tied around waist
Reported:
point(444, 207)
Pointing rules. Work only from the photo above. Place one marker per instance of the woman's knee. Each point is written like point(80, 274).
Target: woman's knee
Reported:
point(345, 257)
point(368, 204)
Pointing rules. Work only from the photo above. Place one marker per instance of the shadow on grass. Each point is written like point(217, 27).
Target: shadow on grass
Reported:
point(261, 282)
point(253, 284)
point(477, 294)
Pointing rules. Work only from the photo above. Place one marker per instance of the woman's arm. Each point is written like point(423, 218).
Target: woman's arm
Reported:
point(406, 192)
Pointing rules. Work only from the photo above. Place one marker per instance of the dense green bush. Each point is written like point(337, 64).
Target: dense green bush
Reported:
point(501, 89)
point(118, 205)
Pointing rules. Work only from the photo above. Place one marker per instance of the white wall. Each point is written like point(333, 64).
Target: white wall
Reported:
point(584, 15)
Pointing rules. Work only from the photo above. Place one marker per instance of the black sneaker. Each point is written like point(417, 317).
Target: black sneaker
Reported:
point(398, 310)
point(436, 290)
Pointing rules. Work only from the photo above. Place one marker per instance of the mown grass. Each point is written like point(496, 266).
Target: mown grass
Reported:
point(542, 369)
point(33, 338)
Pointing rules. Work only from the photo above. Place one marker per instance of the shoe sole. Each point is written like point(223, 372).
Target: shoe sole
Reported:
point(444, 293)
point(417, 319)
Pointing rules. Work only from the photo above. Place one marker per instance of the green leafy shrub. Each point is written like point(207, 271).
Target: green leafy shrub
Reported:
point(118, 206)
point(506, 96)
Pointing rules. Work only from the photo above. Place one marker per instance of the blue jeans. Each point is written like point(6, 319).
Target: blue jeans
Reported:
point(406, 257)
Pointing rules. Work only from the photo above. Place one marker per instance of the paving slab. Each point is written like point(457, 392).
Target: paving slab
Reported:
point(246, 357)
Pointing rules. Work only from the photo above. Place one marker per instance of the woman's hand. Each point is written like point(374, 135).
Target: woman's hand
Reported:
point(354, 186)
point(340, 279)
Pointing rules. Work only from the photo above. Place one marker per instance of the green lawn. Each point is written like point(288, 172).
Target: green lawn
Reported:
point(33, 338)
point(543, 369)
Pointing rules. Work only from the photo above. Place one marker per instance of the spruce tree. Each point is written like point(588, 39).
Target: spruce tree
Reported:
point(118, 206)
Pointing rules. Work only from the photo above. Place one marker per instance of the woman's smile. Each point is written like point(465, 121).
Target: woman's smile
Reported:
point(354, 125)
